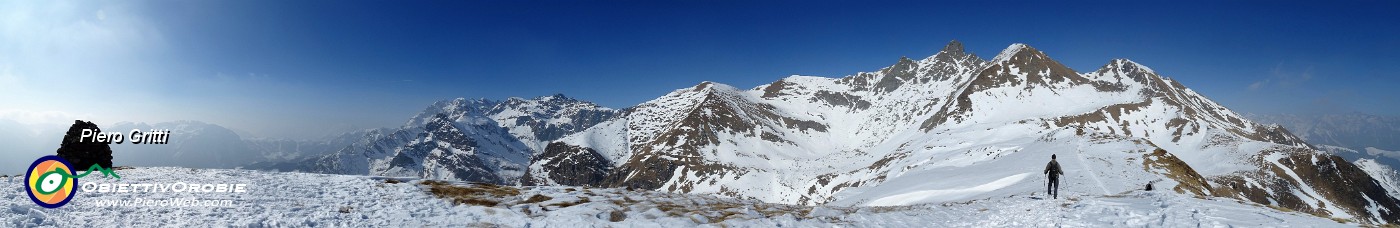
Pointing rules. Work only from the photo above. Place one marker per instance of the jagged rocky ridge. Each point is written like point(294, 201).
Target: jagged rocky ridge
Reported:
point(954, 120)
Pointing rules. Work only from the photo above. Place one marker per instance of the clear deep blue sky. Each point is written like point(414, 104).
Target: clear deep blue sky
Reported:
point(294, 68)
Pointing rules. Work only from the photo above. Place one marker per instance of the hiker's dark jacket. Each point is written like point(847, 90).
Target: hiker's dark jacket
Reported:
point(1053, 169)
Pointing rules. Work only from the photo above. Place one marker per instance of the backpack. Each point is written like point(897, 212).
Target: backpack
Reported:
point(1053, 169)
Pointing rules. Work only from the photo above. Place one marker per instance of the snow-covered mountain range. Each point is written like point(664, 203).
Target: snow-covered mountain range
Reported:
point(1357, 137)
point(465, 139)
point(1351, 135)
point(952, 127)
point(1351, 130)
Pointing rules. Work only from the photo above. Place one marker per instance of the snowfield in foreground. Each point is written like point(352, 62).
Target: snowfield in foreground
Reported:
point(315, 200)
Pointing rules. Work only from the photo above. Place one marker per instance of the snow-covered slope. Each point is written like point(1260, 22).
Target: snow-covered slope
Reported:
point(466, 139)
point(955, 127)
point(1383, 174)
point(276, 199)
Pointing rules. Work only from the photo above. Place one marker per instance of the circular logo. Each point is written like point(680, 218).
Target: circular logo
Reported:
point(49, 181)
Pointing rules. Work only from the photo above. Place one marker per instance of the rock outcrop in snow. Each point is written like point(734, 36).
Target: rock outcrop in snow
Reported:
point(84, 153)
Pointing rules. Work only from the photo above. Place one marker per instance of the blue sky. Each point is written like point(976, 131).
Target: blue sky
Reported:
point(302, 69)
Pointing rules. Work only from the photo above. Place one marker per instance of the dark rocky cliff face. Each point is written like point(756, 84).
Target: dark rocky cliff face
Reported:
point(84, 154)
point(1344, 184)
point(569, 165)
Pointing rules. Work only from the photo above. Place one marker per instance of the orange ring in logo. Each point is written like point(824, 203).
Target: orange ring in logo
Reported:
point(49, 181)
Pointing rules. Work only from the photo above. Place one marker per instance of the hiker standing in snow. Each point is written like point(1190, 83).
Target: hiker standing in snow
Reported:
point(1053, 170)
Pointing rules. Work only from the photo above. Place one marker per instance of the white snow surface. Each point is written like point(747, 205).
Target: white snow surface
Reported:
point(278, 199)
point(1384, 174)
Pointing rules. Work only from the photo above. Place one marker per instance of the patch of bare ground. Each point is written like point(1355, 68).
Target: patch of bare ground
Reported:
point(619, 204)
point(472, 194)
point(538, 198)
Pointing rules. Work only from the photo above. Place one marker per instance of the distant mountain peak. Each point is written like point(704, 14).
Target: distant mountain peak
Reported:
point(1011, 52)
point(709, 86)
point(459, 101)
point(556, 96)
point(904, 64)
point(553, 98)
point(1130, 64)
point(953, 47)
